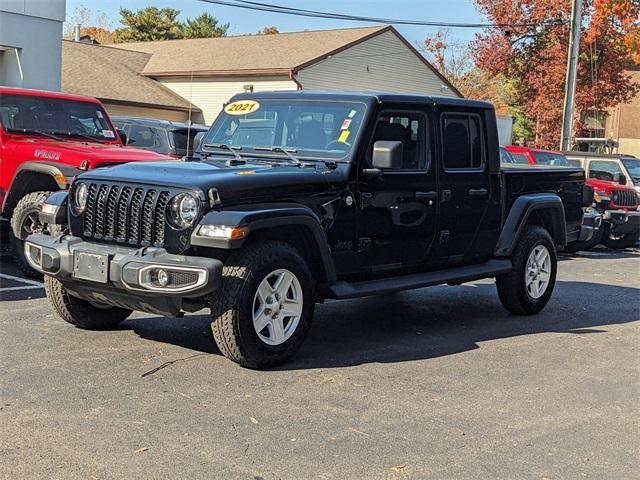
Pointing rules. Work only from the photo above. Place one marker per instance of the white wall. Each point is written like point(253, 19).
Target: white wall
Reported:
point(382, 63)
point(34, 29)
point(210, 93)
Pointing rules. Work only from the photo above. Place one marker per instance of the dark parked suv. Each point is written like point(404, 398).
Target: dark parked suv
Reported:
point(162, 136)
point(297, 197)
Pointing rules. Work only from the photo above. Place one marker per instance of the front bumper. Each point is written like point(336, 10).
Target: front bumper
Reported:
point(622, 221)
point(122, 276)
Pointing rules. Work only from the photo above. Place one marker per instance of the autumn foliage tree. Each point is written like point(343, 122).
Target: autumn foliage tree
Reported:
point(532, 53)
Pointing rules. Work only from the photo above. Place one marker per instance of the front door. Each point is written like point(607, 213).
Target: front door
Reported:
point(398, 210)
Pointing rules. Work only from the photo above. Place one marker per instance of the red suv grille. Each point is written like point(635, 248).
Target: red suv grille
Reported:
point(624, 198)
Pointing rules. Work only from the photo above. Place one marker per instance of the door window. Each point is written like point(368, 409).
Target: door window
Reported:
point(410, 128)
point(463, 142)
point(604, 170)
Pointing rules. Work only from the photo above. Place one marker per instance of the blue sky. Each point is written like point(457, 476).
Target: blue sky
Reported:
point(247, 21)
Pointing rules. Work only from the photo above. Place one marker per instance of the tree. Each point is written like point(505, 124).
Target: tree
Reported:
point(455, 62)
point(95, 25)
point(532, 55)
point(204, 26)
point(268, 31)
point(148, 24)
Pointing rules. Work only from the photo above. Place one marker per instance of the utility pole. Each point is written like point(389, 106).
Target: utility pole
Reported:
point(572, 71)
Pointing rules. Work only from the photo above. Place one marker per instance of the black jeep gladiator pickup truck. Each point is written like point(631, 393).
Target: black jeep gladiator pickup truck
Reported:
point(298, 197)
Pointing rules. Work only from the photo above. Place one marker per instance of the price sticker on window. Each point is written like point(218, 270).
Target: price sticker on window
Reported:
point(242, 107)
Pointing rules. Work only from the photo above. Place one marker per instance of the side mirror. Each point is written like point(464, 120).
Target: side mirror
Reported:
point(122, 135)
point(387, 154)
point(197, 141)
point(620, 178)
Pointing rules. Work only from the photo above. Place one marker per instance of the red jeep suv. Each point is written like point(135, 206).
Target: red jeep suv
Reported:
point(46, 139)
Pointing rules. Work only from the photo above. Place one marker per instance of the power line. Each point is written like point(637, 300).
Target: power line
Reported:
point(268, 7)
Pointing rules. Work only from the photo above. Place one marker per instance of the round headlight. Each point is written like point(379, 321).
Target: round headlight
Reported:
point(80, 198)
point(183, 210)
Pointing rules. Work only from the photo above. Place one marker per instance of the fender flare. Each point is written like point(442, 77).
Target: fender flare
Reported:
point(61, 174)
point(259, 217)
point(519, 214)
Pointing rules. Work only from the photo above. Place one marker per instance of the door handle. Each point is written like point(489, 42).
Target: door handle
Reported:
point(426, 195)
point(478, 192)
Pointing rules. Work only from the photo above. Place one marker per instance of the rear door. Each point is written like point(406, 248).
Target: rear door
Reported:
point(397, 218)
point(469, 192)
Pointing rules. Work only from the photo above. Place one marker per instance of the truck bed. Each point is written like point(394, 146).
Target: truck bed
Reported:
point(566, 182)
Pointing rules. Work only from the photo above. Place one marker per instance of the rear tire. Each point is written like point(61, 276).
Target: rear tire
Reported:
point(257, 321)
point(585, 245)
point(619, 242)
point(79, 312)
point(523, 291)
point(24, 222)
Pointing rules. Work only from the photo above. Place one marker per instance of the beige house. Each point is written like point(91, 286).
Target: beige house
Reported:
point(115, 77)
point(623, 122)
point(208, 71)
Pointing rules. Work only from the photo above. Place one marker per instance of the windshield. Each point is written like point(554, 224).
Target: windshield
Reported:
point(54, 115)
point(505, 156)
point(633, 167)
point(550, 158)
point(314, 129)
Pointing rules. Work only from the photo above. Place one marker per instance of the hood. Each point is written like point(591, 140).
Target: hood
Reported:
point(234, 184)
point(607, 186)
point(96, 153)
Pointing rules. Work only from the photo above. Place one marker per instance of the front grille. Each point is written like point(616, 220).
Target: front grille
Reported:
point(129, 214)
point(624, 198)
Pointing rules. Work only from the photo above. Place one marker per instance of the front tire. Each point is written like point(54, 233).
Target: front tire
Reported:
point(79, 312)
point(263, 310)
point(527, 288)
point(24, 222)
point(619, 242)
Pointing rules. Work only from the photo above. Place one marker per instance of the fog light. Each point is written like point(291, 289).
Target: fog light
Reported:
point(33, 254)
point(162, 277)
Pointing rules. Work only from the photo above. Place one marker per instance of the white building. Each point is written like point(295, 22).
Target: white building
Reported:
point(208, 71)
point(30, 34)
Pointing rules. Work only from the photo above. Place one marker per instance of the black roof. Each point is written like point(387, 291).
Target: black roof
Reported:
point(367, 97)
point(154, 122)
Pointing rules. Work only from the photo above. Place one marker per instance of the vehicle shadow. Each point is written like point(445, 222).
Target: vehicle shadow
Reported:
point(420, 324)
point(14, 286)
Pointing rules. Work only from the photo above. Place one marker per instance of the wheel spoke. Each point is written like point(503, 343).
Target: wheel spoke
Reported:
point(277, 330)
point(541, 256)
point(544, 276)
point(283, 283)
point(261, 321)
point(264, 291)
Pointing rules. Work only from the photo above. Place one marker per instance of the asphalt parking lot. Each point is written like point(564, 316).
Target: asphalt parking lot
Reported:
point(434, 383)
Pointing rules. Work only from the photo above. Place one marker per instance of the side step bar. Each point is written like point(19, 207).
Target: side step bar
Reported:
point(344, 290)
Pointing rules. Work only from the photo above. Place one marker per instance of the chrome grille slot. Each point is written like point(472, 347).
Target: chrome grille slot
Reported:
point(624, 198)
point(147, 217)
point(88, 214)
point(127, 214)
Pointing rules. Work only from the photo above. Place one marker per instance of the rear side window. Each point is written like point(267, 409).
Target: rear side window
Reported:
point(519, 158)
point(462, 141)
point(550, 158)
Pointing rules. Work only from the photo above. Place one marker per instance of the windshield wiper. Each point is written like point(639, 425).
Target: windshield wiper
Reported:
point(32, 131)
point(78, 134)
point(224, 146)
point(277, 149)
